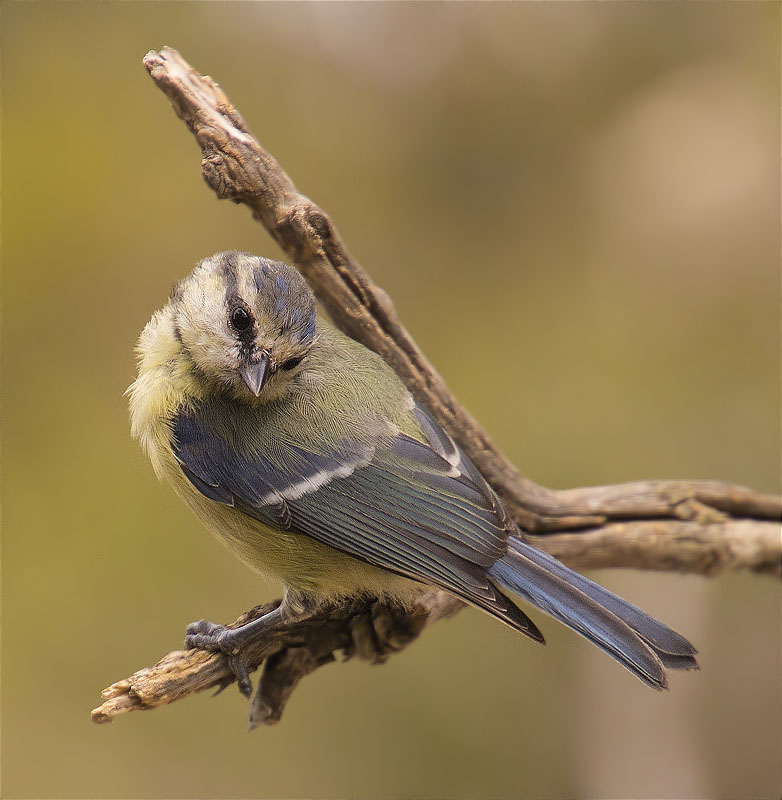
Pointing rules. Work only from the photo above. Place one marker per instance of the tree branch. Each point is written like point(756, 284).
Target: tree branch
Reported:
point(689, 526)
point(365, 628)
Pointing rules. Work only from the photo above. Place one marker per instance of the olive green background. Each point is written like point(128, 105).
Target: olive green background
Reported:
point(575, 208)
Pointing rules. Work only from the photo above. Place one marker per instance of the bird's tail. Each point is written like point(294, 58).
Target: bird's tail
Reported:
point(636, 640)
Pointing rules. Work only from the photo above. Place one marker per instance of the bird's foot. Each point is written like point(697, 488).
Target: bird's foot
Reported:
point(233, 642)
point(205, 635)
point(379, 629)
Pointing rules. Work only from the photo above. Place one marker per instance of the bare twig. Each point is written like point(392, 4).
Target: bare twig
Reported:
point(689, 526)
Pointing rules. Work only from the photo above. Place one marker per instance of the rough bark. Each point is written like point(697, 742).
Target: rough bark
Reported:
point(699, 527)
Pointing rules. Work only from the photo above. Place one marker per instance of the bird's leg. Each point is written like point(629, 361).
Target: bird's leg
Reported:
point(205, 635)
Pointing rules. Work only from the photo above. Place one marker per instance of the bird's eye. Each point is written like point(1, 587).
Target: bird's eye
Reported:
point(241, 319)
point(291, 363)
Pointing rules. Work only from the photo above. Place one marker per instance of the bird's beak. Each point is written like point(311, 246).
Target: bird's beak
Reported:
point(254, 375)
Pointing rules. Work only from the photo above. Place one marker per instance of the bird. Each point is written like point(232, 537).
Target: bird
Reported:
point(306, 455)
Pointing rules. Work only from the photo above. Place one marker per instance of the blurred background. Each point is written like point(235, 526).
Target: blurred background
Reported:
point(576, 210)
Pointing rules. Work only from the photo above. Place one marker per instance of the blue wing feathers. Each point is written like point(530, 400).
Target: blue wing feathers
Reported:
point(213, 491)
point(343, 529)
point(384, 512)
point(440, 441)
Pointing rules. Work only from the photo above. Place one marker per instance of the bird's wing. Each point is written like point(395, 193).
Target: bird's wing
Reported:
point(418, 508)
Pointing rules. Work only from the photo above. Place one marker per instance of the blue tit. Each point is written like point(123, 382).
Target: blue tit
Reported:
point(304, 453)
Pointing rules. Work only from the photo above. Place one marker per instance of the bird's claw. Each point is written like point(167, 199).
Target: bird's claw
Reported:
point(239, 668)
point(205, 635)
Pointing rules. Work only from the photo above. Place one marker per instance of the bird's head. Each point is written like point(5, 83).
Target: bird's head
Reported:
point(247, 323)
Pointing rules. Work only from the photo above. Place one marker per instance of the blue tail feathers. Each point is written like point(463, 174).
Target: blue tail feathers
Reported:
point(637, 641)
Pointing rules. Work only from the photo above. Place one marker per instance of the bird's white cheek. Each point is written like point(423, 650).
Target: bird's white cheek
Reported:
point(215, 360)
